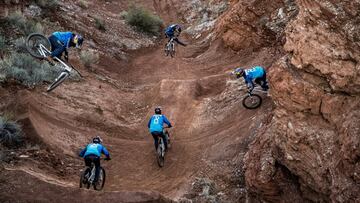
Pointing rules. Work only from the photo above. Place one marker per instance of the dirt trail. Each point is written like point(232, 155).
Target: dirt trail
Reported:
point(117, 102)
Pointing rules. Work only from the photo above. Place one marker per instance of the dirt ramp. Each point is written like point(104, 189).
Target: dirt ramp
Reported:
point(34, 190)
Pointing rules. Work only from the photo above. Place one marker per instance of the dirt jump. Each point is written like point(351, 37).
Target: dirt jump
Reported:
point(209, 138)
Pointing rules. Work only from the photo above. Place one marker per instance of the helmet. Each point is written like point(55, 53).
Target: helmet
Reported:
point(97, 140)
point(239, 72)
point(158, 110)
point(78, 40)
point(178, 28)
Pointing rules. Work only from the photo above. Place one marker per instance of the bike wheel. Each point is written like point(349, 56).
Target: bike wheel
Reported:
point(33, 42)
point(63, 75)
point(84, 182)
point(252, 101)
point(101, 180)
point(172, 50)
point(167, 135)
point(167, 50)
point(160, 154)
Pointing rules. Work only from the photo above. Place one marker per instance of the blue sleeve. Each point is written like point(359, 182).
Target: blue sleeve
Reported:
point(249, 82)
point(149, 122)
point(58, 51)
point(167, 121)
point(83, 152)
point(105, 151)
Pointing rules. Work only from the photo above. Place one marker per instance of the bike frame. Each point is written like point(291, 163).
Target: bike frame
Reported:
point(170, 46)
point(257, 90)
point(42, 50)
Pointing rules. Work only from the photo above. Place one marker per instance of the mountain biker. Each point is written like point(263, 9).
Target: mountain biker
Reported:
point(173, 31)
point(156, 127)
point(257, 73)
point(61, 41)
point(92, 152)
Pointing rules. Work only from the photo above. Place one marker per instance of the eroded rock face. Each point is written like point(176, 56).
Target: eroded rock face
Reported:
point(311, 150)
point(254, 24)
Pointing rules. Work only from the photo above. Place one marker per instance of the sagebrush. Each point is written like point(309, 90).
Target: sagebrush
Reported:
point(27, 70)
point(143, 20)
point(83, 4)
point(11, 134)
point(2, 44)
point(20, 45)
point(24, 25)
point(89, 57)
point(100, 23)
point(47, 4)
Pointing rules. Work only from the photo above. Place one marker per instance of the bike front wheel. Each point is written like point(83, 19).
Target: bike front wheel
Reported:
point(33, 43)
point(63, 75)
point(160, 154)
point(99, 185)
point(172, 50)
point(252, 101)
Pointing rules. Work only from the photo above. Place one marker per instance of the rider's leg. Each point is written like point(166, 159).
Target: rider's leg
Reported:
point(56, 47)
point(165, 140)
point(96, 161)
point(88, 161)
point(156, 139)
point(178, 41)
point(264, 82)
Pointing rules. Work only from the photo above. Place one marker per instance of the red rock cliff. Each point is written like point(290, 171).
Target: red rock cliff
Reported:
point(311, 149)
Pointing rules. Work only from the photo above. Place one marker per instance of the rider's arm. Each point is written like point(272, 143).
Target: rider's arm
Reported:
point(58, 51)
point(149, 122)
point(249, 83)
point(105, 151)
point(167, 121)
point(83, 152)
point(178, 41)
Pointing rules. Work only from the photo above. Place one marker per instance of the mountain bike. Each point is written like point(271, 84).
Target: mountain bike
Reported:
point(39, 47)
point(253, 100)
point(88, 175)
point(160, 152)
point(170, 48)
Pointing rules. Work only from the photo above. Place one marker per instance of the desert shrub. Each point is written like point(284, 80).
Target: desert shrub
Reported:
point(89, 57)
point(100, 23)
point(2, 44)
point(20, 44)
point(10, 133)
point(25, 26)
point(83, 4)
point(27, 70)
point(47, 4)
point(143, 20)
point(123, 14)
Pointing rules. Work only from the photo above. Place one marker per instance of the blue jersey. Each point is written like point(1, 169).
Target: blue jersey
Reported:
point(94, 149)
point(156, 123)
point(253, 73)
point(170, 30)
point(64, 38)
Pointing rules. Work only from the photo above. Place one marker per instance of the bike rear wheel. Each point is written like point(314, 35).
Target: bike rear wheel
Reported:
point(33, 42)
point(167, 49)
point(63, 75)
point(84, 178)
point(172, 50)
point(160, 153)
point(101, 180)
point(252, 101)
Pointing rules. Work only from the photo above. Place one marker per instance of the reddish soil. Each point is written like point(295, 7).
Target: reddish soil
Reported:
point(211, 128)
